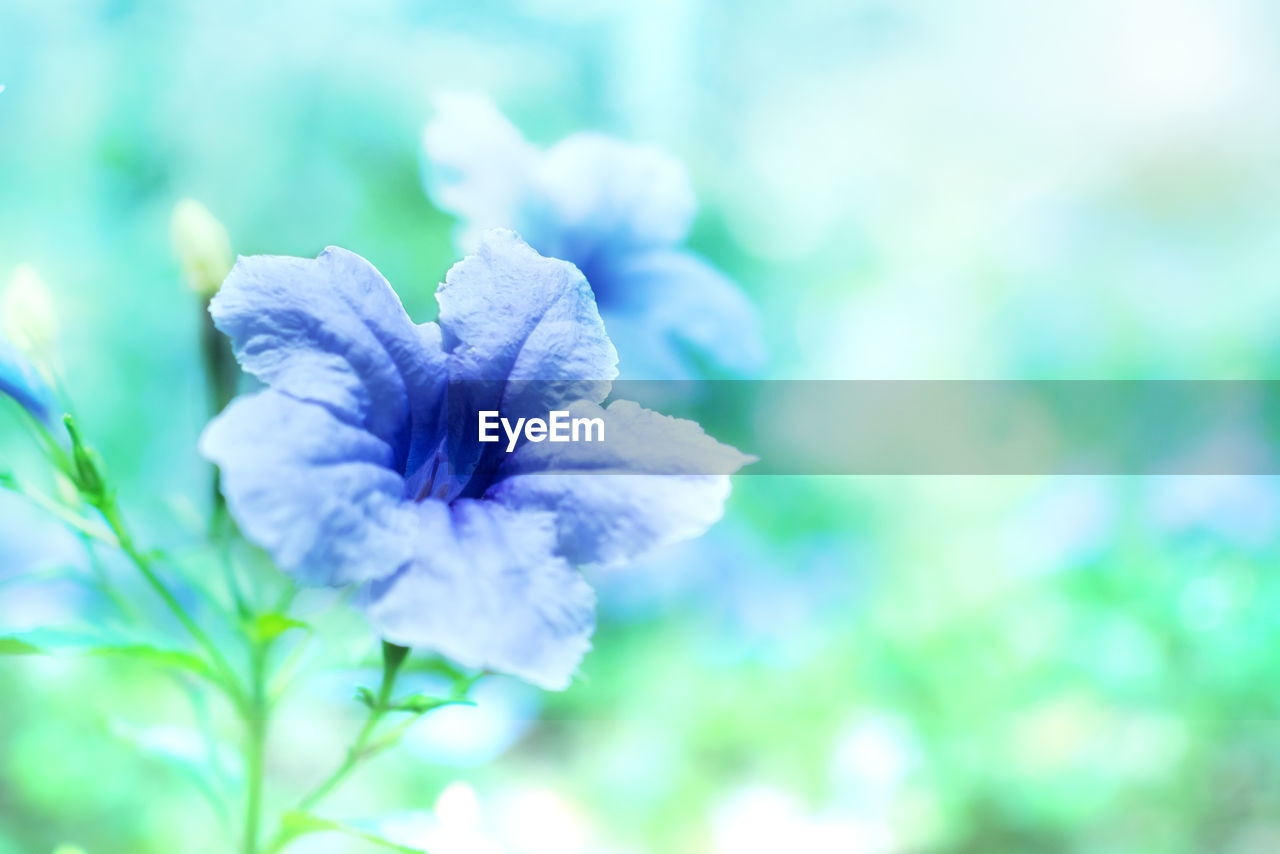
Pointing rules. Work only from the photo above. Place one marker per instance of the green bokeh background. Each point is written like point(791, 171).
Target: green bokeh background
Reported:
point(933, 665)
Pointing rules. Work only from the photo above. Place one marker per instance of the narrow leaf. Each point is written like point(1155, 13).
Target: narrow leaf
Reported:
point(296, 823)
point(367, 697)
point(15, 646)
point(268, 627)
point(175, 658)
point(423, 703)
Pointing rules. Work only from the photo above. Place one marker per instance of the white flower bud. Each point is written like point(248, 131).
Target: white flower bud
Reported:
point(202, 245)
point(28, 317)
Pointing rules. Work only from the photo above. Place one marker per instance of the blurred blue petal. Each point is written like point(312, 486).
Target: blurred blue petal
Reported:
point(681, 304)
point(609, 198)
point(477, 166)
point(603, 205)
point(19, 380)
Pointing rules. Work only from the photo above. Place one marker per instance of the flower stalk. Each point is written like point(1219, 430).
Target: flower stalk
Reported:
point(225, 674)
point(84, 467)
point(257, 712)
point(392, 658)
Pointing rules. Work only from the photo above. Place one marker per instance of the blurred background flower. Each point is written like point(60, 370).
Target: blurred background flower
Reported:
point(617, 211)
point(22, 383)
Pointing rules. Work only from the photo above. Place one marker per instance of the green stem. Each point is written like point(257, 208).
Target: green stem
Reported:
point(82, 526)
point(222, 375)
point(393, 657)
point(362, 748)
point(102, 578)
point(255, 747)
point(110, 511)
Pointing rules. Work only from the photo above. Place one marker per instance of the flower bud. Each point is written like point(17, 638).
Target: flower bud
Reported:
point(202, 246)
point(29, 319)
point(86, 469)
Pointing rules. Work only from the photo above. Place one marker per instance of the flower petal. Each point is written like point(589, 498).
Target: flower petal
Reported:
point(606, 195)
point(488, 593)
point(508, 315)
point(674, 301)
point(311, 489)
point(19, 380)
point(331, 331)
point(655, 480)
point(476, 165)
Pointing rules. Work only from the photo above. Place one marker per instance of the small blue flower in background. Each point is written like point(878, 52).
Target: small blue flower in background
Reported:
point(20, 381)
point(359, 464)
point(617, 211)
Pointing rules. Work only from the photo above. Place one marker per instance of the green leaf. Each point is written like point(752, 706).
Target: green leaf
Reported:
point(415, 703)
point(423, 703)
point(268, 627)
point(16, 646)
point(57, 642)
point(367, 697)
point(49, 641)
point(175, 658)
point(296, 823)
point(86, 469)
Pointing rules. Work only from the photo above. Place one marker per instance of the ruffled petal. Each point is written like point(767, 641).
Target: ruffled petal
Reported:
point(507, 313)
point(487, 592)
point(19, 380)
point(316, 492)
point(476, 165)
point(604, 196)
point(333, 332)
point(654, 480)
point(667, 306)
point(510, 316)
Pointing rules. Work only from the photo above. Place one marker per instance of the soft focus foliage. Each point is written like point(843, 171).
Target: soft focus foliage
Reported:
point(1068, 189)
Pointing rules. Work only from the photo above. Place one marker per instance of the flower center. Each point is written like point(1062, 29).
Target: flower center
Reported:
point(435, 479)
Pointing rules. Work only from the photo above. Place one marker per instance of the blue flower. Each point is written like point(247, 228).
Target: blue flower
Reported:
point(19, 380)
point(359, 464)
point(619, 212)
